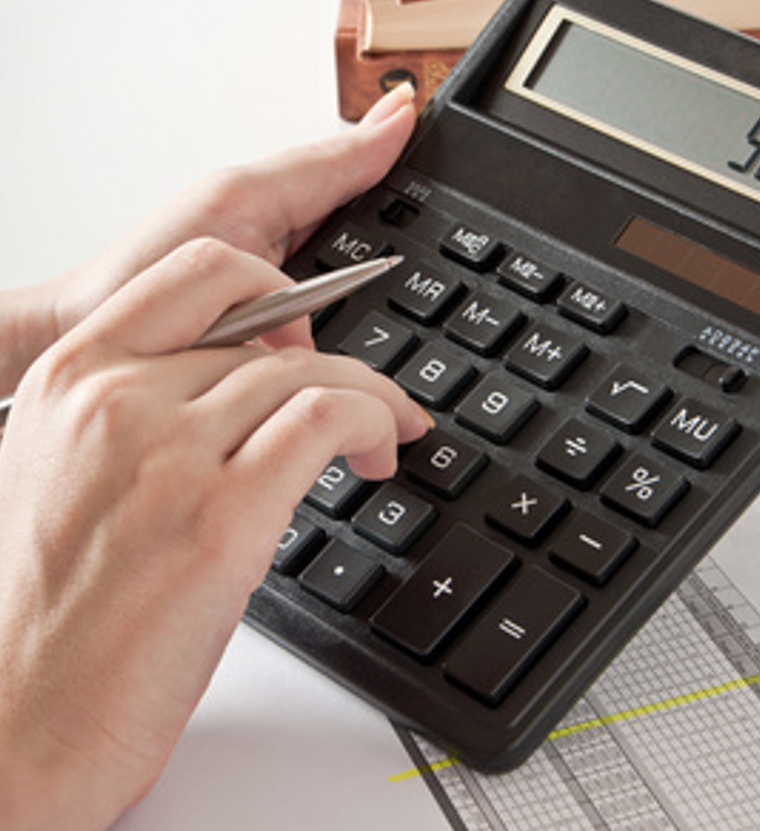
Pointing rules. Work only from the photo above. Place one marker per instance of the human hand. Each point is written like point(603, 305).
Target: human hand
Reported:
point(267, 208)
point(145, 484)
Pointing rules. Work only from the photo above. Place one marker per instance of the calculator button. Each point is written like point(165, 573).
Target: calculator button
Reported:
point(529, 277)
point(393, 518)
point(628, 398)
point(440, 593)
point(301, 539)
point(337, 490)
point(546, 357)
point(644, 489)
point(341, 576)
point(444, 464)
point(350, 245)
point(526, 617)
point(591, 547)
point(423, 293)
point(524, 509)
point(496, 408)
point(695, 433)
point(471, 247)
point(435, 375)
point(378, 341)
point(483, 322)
point(591, 308)
point(578, 453)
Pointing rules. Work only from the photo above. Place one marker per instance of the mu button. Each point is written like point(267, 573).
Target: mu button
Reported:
point(695, 433)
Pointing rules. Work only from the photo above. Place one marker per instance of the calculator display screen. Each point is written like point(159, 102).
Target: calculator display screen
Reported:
point(692, 117)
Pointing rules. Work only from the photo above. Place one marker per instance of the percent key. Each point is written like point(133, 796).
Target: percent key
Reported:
point(644, 490)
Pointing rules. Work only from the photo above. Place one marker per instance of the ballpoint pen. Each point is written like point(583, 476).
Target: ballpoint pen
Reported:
point(247, 320)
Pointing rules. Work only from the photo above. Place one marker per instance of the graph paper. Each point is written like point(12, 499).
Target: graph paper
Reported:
point(667, 738)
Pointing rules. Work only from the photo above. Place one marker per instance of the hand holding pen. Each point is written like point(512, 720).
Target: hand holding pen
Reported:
point(250, 319)
point(145, 483)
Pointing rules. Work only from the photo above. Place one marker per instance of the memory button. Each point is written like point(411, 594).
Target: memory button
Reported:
point(350, 245)
point(471, 247)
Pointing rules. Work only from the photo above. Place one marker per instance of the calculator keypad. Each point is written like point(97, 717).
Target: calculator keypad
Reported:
point(560, 467)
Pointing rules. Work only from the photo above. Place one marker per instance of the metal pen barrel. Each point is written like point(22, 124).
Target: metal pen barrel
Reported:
point(248, 320)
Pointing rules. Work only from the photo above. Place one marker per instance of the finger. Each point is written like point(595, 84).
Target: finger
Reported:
point(255, 390)
point(282, 459)
point(169, 306)
point(265, 208)
point(313, 181)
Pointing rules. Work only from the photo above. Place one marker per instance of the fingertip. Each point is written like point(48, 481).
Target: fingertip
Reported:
point(374, 467)
point(392, 102)
point(419, 424)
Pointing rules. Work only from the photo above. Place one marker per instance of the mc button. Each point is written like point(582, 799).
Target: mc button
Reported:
point(350, 245)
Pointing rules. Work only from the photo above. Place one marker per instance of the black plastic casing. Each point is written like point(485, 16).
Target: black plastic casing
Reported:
point(553, 187)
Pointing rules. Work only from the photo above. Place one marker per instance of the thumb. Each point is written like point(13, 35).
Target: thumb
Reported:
point(302, 186)
point(267, 208)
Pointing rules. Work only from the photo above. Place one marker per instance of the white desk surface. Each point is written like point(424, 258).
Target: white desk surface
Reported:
point(108, 109)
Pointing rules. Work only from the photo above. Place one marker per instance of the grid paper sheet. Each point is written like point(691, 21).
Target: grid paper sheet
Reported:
point(668, 738)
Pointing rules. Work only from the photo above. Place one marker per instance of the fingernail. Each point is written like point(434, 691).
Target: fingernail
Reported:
point(428, 418)
point(425, 421)
point(390, 104)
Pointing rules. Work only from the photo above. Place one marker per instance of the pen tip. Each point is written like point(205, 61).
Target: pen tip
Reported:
point(394, 260)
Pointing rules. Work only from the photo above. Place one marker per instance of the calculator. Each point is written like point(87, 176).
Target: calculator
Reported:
point(579, 307)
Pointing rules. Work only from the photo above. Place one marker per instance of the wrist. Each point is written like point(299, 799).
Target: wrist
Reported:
point(44, 783)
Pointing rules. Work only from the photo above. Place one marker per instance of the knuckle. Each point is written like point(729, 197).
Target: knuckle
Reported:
point(319, 407)
point(228, 202)
point(297, 359)
point(58, 368)
point(206, 255)
point(104, 402)
point(223, 194)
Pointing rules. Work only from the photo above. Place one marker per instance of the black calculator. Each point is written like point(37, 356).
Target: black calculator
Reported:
point(579, 307)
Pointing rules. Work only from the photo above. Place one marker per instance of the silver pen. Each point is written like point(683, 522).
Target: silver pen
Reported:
point(246, 321)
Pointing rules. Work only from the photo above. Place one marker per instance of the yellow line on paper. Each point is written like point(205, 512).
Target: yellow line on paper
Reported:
point(433, 767)
point(615, 718)
point(657, 707)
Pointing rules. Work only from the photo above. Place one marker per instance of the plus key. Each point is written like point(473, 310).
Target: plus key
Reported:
point(432, 602)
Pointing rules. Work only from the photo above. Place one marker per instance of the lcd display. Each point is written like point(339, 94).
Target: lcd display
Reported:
point(675, 109)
